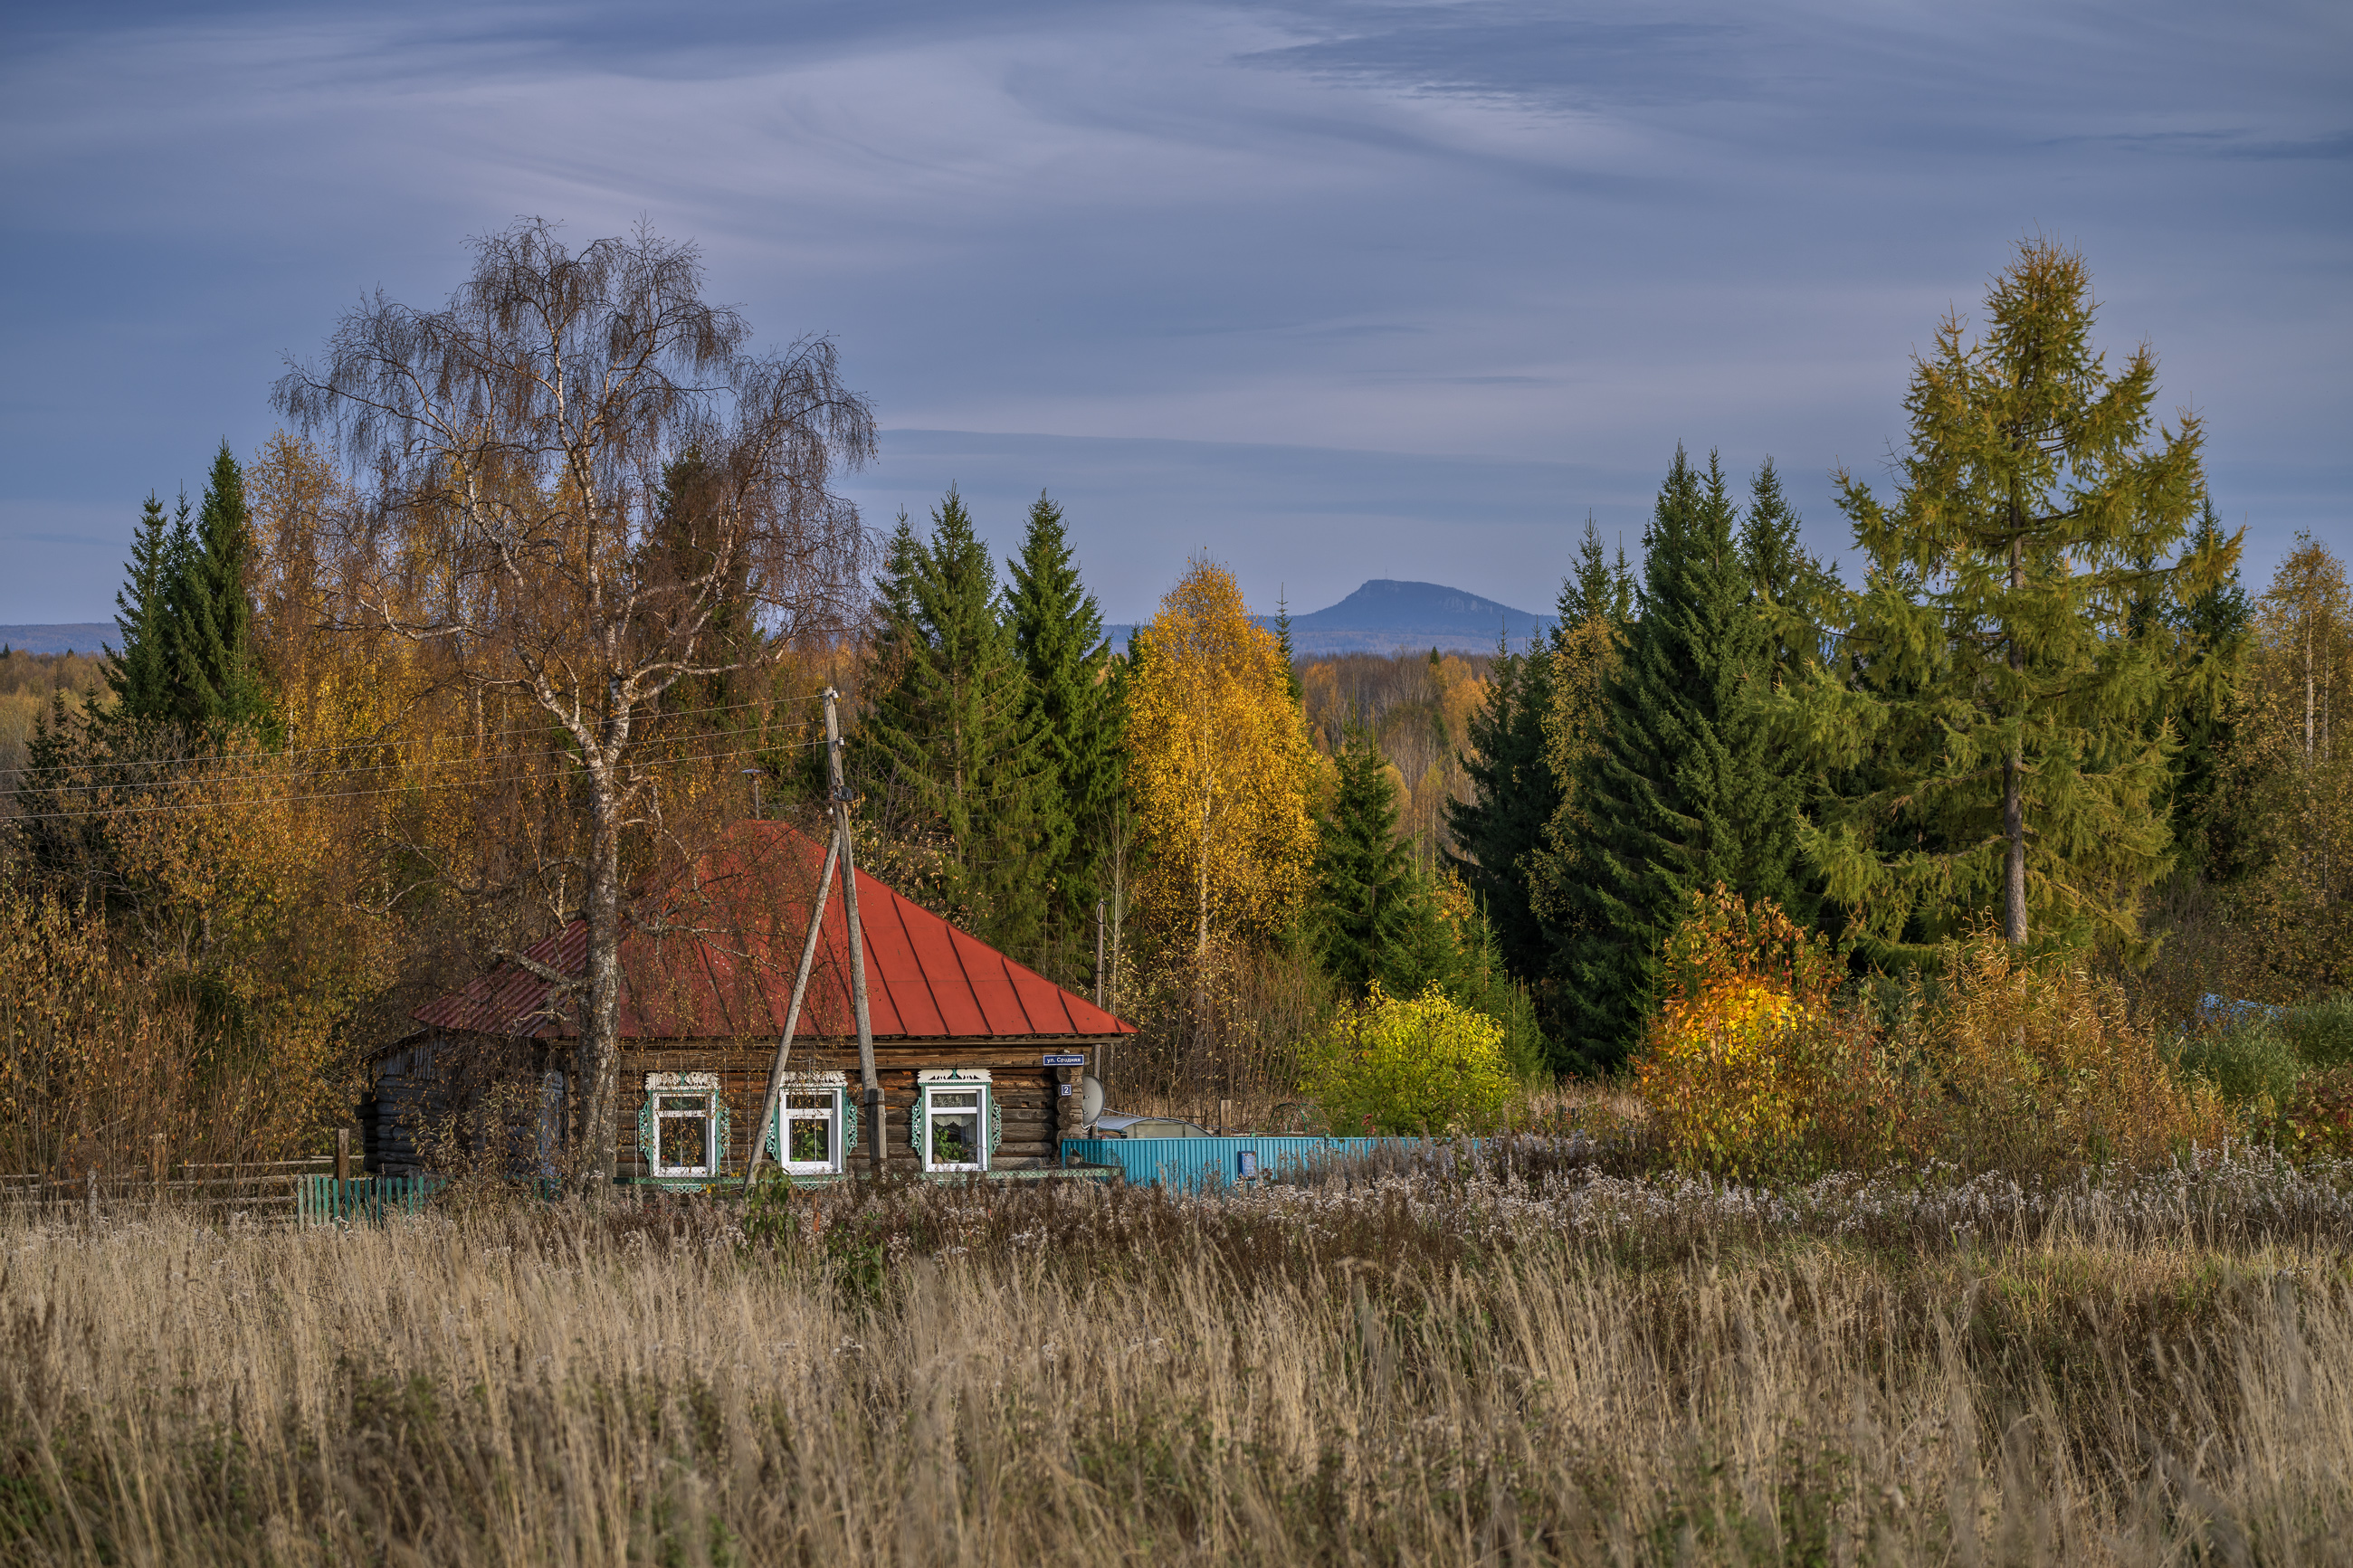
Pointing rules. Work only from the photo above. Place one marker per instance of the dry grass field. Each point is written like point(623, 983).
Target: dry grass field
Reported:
point(1524, 1361)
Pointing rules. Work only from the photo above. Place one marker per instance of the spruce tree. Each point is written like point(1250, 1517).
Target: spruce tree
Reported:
point(2214, 625)
point(210, 623)
point(139, 672)
point(1368, 901)
point(1993, 708)
point(1587, 644)
point(944, 736)
point(1057, 632)
point(1787, 584)
point(1684, 788)
point(1499, 832)
point(1290, 654)
point(1592, 588)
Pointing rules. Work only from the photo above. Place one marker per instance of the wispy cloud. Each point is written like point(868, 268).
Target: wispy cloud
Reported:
point(1483, 240)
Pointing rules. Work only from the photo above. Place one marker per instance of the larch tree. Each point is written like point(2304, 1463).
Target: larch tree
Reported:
point(1223, 776)
point(1058, 637)
point(513, 446)
point(1992, 708)
point(944, 732)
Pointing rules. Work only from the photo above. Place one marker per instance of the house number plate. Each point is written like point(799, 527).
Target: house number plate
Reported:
point(1066, 1061)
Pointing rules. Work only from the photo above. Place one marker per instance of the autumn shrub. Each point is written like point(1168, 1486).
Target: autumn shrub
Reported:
point(2040, 1063)
point(1751, 1067)
point(1403, 1066)
point(103, 1049)
point(1755, 1066)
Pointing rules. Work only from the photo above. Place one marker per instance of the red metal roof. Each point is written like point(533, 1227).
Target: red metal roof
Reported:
point(712, 958)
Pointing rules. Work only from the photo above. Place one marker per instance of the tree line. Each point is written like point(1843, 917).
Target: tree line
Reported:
point(541, 589)
point(2046, 707)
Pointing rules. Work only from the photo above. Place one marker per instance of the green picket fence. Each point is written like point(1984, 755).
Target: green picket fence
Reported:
point(323, 1200)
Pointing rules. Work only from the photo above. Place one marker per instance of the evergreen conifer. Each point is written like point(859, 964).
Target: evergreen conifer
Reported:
point(1995, 725)
point(139, 672)
point(944, 734)
point(1290, 654)
point(1058, 635)
point(1500, 830)
point(2215, 624)
point(1368, 901)
point(1683, 789)
point(210, 623)
point(1787, 584)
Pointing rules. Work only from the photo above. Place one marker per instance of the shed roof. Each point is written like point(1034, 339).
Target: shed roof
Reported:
point(712, 956)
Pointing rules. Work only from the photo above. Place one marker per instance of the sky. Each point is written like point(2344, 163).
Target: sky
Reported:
point(1326, 290)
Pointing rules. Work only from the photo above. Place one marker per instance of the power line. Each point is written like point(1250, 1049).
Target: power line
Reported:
point(356, 768)
point(344, 794)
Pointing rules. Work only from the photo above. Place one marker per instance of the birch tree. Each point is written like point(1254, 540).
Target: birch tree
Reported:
point(510, 448)
point(1222, 768)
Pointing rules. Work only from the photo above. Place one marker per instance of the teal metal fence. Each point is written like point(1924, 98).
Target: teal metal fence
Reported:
point(1198, 1163)
point(323, 1200)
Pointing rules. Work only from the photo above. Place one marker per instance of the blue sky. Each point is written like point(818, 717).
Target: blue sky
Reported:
point(1330, 290)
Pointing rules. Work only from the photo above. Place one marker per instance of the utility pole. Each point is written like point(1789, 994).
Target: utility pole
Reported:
point(873, 1087)
point(793, 1012)
point(1099, 952)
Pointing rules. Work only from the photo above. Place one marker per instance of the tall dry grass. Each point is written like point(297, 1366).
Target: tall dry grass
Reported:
point(1532, 1364)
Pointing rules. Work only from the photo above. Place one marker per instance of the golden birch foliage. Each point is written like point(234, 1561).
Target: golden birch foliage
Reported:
point(1225, 779)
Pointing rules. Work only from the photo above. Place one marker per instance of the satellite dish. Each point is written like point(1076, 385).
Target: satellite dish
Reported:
point(1090, 1098)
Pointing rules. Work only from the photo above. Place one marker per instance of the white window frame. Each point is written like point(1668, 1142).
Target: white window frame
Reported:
point(955, 1079)
point(663, 1085)
point(835, 1087)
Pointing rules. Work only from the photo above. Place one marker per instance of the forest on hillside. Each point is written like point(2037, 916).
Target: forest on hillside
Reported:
point(451, 661)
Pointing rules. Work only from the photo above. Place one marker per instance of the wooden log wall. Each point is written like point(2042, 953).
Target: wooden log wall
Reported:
point(412, 1083)
point(1037, 1115)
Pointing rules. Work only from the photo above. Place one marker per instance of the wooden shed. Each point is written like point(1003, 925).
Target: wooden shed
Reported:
point(979, 1058)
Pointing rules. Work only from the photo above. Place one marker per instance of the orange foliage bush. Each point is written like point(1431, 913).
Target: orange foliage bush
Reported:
point(1753, 1067)
point(1750, 1069)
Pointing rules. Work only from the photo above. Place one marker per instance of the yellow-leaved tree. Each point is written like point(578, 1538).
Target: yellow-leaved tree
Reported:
point(1224, 777)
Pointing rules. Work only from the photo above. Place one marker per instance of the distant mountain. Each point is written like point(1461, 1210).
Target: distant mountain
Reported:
point(78, 637)
point(1386, 616)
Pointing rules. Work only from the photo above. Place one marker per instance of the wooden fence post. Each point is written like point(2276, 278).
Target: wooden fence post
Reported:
point(91, 1176)
point(342, 1155)
point(156, 1160)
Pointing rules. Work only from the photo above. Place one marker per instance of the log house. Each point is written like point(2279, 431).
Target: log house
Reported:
point(964, 1036)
